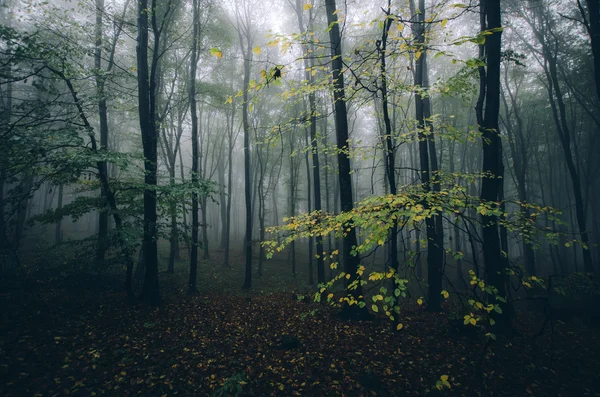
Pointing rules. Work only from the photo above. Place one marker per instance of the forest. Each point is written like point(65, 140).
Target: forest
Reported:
point(299, 198)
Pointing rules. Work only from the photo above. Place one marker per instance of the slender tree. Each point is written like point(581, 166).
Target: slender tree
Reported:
point(192, 289)
point(350, 261)
point(147, 111)
point(488, 108)
point(428, 159)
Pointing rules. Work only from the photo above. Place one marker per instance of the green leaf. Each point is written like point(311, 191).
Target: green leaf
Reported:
point(375, 308)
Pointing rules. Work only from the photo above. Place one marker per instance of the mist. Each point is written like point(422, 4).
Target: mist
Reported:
point(294, 192)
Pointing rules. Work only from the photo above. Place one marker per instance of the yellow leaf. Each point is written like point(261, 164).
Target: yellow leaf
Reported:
point(307, 6)
point(445, 294)
point(216, 52)
point(444, 23)
point(399, 327)
point(419, 301)
point(380, 242)
point(418, 55)
point(444, 378)
point(329, 296)
point(256, 50)
point(472, 321)
point(348, 276)
point(229, 100)
point(400, 27)
point(379, 297)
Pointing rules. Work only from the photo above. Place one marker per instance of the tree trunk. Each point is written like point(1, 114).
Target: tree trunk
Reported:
point(427, 153)
point(247, 170)
point(229, 188)
point(389, 142)
point(492, 156)
point(351, 262)
point(192, 282)
point(103, 118)
point(222, 201)
point(146, 97)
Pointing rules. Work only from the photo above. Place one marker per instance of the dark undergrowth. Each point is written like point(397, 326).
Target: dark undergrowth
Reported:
point(76, 335)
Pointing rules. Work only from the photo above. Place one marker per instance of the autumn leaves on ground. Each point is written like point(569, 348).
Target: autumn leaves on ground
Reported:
point(80, 337)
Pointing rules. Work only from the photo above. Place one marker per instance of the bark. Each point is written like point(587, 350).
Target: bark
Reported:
point(491, 184)
point(147, 111)
point(351, 262)
point(103, 119)
point(222, 201)
point(292, 201)
point(389, 142)
point(311, 280)
point(229, 185)
point(428, 162)
point(246, 44)
point(193, 276)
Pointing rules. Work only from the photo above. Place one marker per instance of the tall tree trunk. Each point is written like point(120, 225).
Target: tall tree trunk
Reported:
point(103, 118)
point(174, 235)
point(222, 201)
point(492, 155)
point(388, 139)
point(147, 110)
point(192, 282)
point(292, 200)
point(204, 202)
point(311, 279)
point(351, 262)
point(229, 186)
point(247, 170)
point(428, 162)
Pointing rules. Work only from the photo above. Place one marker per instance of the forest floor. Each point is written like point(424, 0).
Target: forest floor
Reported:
point(80, 337)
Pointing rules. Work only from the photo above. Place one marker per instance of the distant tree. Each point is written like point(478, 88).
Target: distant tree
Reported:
point(192, 288)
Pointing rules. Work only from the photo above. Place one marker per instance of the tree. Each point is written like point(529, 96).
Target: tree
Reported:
point(488, 109)
point(351, 261)
point(147, 84)
point(195, 149)
point(245, 38)
point(428, 159)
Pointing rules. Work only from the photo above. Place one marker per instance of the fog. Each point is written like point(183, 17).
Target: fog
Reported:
point(441, 152)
